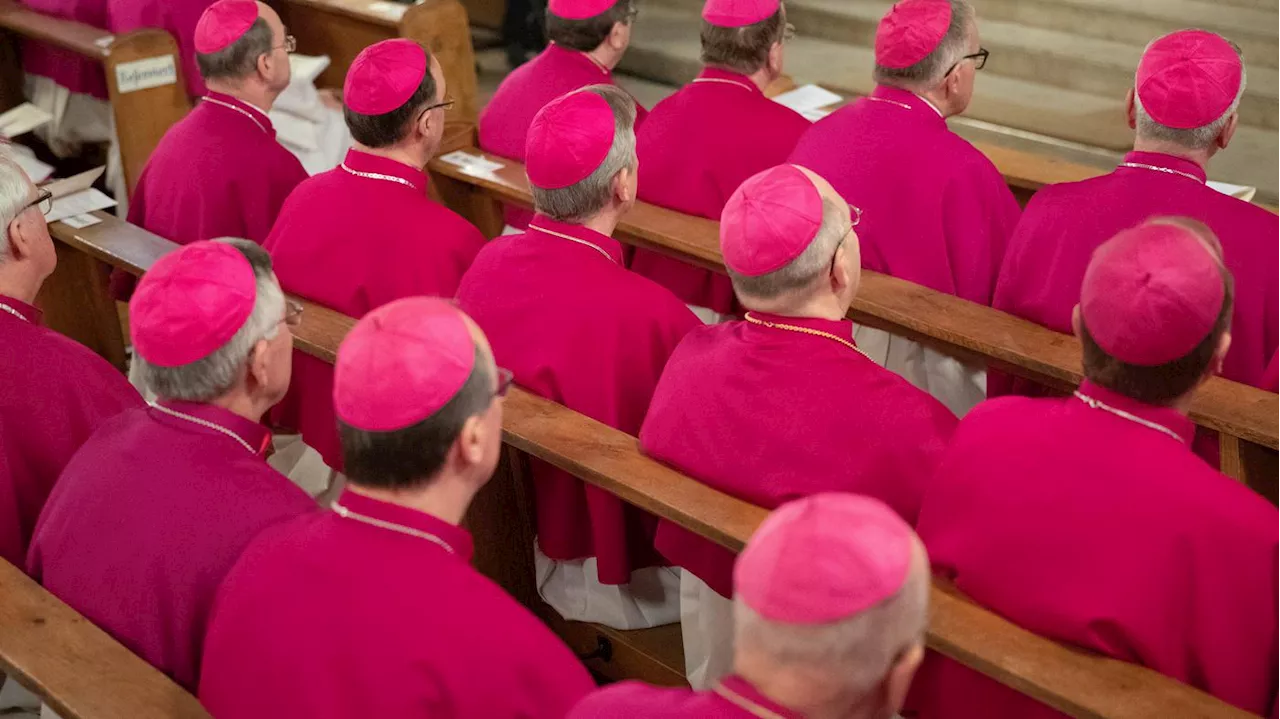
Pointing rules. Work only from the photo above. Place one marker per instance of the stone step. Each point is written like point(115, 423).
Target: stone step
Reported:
point(1137, 22)
point(1042, 55)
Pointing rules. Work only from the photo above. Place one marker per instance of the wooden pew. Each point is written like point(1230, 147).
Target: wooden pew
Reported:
point(1247, 418)
point(1079, 684)
point(142, 113)
point(75, 667)
point(342, 28)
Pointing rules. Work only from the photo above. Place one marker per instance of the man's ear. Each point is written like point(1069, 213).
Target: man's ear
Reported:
point(1075, 321)
point(841, 276)
point(1131, 109)
point(471, 440)
point(1220, 354)
point(898, 681)
point(618, 36)
point(259, 364)
point(624, 186)
point(1228, 132)
point(774, 60)
point(20, 241)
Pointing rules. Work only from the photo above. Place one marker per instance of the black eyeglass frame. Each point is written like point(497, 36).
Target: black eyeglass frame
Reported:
point(981, 56)
point(42, 197)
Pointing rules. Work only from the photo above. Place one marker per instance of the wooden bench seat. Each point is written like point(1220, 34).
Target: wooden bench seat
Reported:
point(1077, 683)
point(1243, 415)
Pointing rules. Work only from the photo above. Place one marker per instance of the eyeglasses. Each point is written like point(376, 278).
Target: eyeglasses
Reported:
point(290, 44)
point(44, 200)
point(505, 379)
point(445, 105)
point(293, 314)
point(788, 32)
point(980, 56)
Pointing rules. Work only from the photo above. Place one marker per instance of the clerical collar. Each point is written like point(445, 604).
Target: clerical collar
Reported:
point(1164, 164)
point(738, 691)
point(579, 235)
point(904, 99)
point(714, 76)
point(1157, 419)
point(11, 307)
point(246, 109)
point(372, 167)
point(395, 519)
point(214, 421)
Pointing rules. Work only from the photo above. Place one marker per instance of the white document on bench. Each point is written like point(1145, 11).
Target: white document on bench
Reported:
point(810, 101)
point(22, 119)
point(1241, 192)
point(472, 164)
point(392, 10)
point(76, 196)
point(26, 159)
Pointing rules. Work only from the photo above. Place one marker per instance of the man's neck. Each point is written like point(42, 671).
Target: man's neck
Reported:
point(254, 94)
point(241, 404)
point(604, 222)
point(825, 306)
point(1200, 157)
point(411, 156)
point(938, 104)
point(17, 283)
point(604, 56)
point(444, 497)
point(794, 691)
point(762, 78)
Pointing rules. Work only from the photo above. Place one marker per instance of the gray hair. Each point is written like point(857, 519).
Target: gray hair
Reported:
point(15, 193)
point(1195, 138)
point(213, 376)
point(855, 653)
point(240, 58)
point(804, 269)
point(582, 200)
point(930, 71)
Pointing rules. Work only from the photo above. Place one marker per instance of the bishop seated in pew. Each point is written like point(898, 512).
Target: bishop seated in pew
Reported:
point(1089, 520)
point(152, 511)
point(365, 233)
point(698, 145)
point(579, 328)
point(829, 612)
point(587, 41)
point(373, 609)
point(219, 172)
point(56, 391)
point(1184, 107)
point(733, 409)
point(937, 212)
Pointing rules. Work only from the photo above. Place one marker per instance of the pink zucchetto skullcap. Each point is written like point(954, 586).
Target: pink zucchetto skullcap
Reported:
point(578, 9)
point(1151, 294)
point(384, 76)
point(738, 13)
point(769, 220)
point(910, 31)
point(401, 363)
point(568, 140)
point(191, 302)
point(823, 558)
point(223, 23)
point(1188, 79)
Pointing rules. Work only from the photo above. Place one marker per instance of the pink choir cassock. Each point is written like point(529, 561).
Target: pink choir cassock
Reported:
point(68, 69)
point(936, 212)
point(354, 239)
point(505, 121)
point(695, 149)
point(176, 17)
point(576, 327)
point(1096, 530)
point(148, 518)
point(56, 394)
point(219, 172)
point(424, 634)
point(769, 415)
point(1064, 224)
point(731, 698)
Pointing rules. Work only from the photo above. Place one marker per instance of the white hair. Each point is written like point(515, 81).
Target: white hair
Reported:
point(215, 375)
point(15, 193)
point(584, 199)
point(808, 266)
point(1195, 138)
point(931, 70)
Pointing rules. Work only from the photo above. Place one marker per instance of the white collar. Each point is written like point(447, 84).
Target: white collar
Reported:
point(931, 105)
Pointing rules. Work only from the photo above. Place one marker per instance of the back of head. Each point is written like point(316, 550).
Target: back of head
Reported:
point(738, 34)
point(229, 38)
point(1187, 88)
point(1155, 310)
point(584, 24)
point(387, 87)
point(15, 194)
point(197, 315)
point(779, 234)
point(408, 378)
point(575, 149)
point(919, 41)
point(831, 593)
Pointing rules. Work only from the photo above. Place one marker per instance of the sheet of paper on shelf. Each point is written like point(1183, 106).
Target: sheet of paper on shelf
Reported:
point(294, 131)
point(75, 183)
point(392, 10)
point(307, 68)
point(22, 119)
point(81, 221)
point(811, 101)
point(1243, 192)
point(472, 164)
point(26, 159)
point(79, 203)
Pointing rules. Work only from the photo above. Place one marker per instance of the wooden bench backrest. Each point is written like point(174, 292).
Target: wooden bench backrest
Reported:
point(141, 116)
point(952, 325)
point(1079, 684)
